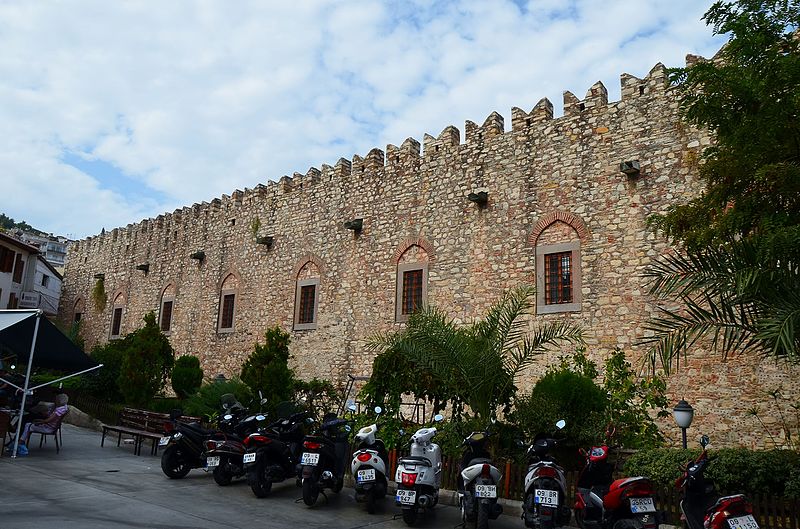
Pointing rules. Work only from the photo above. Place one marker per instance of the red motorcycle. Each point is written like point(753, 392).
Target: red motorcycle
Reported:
point(702, 508)
point(602, 502)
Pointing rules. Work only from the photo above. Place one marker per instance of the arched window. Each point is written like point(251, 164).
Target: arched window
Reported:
point(557, 238)
point(227, 303)
point(306, 298)
point(77, 310)
point(166, 308)
point(117, 312)
point(412, 281)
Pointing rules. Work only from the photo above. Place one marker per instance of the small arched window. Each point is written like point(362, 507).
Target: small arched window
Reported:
point(227, 303)
point(306, 297)
point(117, 312)
point(558, 267)
point(166, 308)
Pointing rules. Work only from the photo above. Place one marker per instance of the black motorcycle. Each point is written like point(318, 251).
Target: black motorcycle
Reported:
point(324, 458)
point(273, 453)
point(225, 452)
point(477, 482)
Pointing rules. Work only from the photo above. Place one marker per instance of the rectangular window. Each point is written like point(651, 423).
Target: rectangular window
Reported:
point(116, 322)
point(166, 315)
point(6, 259)
point(305, 305)
point(45, 280)
point(18, 267)
point(558, 278)
point(412, 289)
point(307, 294)
point(226, 316)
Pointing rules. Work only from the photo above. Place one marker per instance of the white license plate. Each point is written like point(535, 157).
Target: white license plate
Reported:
point(743, 522)
point(366, 475)
point(212, 462)
point(642, 505)
point(164, 441)
point(310, 459)
point(406, 497)
point(249, 458)
point(546, 497)
point(485, 491)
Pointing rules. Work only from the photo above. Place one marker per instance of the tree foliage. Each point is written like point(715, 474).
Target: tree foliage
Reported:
point(267, 369)
point(147, 360)
point(473, 365)
point(738, 279)
point(187, 376)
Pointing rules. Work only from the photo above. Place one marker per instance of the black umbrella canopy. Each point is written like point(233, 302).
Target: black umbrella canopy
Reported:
point(53, 349)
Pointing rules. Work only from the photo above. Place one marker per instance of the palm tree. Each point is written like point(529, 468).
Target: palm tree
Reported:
point(741, 295)
point(479, 362)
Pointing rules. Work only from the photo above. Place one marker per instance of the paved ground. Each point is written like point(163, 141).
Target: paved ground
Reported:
point(87, 487)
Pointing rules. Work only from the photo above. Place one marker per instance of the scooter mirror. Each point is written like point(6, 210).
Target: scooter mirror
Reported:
point(378, 410)
point(263, 401)
point(520, 443)
point(352, 407)
point(438, 417)
point(493, 420)
point(401, 432)
point(704, 441)
point(260, 395)
point(260, 417)
point(560, 424)
point(227, 416)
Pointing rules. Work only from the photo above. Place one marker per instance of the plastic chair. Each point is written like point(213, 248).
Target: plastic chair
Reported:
point(55, 433)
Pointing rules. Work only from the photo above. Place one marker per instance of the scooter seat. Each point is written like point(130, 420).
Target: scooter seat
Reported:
point(416, 460)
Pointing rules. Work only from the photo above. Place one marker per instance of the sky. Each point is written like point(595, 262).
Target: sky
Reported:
point(114, 112)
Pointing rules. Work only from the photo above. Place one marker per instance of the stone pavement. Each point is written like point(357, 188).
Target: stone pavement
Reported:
point(87, 487)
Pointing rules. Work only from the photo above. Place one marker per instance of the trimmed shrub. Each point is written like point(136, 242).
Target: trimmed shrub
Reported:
point(147, 360)
point(734, 470)
point(267, 369)
point(187, 376)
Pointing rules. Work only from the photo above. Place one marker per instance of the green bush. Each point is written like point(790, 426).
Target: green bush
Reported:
point(187, 376)
point(102, 383)
point(771, 472)
point(206, 402)
point(147, 360)
point(267, 369)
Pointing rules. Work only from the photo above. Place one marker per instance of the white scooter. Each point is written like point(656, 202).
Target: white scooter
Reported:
point(477, 488)
point(419, 475)
point(369, 466)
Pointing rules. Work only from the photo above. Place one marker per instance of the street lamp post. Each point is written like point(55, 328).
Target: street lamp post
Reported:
point(683, 414)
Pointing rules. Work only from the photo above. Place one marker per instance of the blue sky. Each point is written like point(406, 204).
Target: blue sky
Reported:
point(114, 112)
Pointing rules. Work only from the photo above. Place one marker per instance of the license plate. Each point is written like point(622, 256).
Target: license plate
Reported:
point(249, 458)
point(406, 497)
point(164, 441)
point(310, 459)
point(546, 497)
point(642, 505)
point(212, 462)
point(366, 475)
point(743, 522)
point(485, 491)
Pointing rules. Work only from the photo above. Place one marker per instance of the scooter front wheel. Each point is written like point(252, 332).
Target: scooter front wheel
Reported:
point(310, 491)
point(410, 516)
point(173, 463)
point(579, 518)
point(222, 475)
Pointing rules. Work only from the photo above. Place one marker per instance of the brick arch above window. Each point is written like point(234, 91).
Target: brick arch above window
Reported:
point(304, 260)
point(79, 305)
point(169, 289)
point(230, 280)
point(404, 246)
point(118, 297)
point(558, 216)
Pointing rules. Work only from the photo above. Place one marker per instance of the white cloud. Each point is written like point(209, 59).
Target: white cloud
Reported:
point(194, 99)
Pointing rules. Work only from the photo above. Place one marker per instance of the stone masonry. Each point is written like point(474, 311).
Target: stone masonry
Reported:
point(549, 181)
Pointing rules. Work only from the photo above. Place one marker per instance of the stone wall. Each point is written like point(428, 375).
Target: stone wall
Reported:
point(549, 181)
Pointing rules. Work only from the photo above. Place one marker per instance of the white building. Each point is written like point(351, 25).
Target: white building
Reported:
point(17, 271)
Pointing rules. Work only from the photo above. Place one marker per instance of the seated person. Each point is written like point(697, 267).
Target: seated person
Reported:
point(46, 425)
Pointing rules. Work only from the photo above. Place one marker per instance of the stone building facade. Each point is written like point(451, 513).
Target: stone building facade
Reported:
point(557, 209)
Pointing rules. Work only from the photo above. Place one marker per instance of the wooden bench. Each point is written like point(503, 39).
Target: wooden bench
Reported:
point(142, 425)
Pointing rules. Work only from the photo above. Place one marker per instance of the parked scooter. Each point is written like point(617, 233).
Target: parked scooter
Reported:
point(604, 503)
point(225, 451)
point(324, 458)
point(703, 508)
point(273, 453)
point(545, 486)
point(369, 465)
point(477, 483)
point(419, 475)
point(185, 446)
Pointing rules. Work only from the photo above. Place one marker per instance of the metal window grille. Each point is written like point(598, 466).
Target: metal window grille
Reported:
point(306, 312)
point(226, 322)
point(166, 316)
point(412, 291)
point(558, 278)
